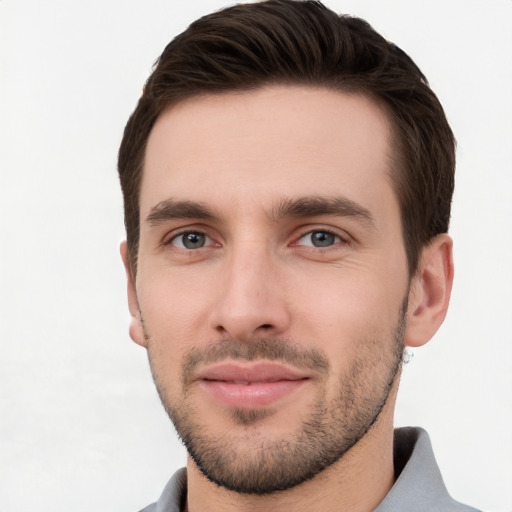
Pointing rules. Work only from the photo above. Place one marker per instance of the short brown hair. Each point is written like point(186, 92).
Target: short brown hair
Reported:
point(297, 42)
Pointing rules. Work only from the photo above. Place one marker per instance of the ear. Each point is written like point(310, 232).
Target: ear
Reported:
point(430, 291)
point(136, 326)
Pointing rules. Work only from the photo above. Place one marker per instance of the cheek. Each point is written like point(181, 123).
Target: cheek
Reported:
point(341, 313)
point(173, 297)
point(174, 309)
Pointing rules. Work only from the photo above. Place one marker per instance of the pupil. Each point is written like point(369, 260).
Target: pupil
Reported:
point(321, 239)
point(193, 240)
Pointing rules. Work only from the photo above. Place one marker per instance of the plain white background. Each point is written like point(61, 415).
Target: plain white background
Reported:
point(81, 426)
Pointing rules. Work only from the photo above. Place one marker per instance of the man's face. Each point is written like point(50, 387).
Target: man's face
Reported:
point(272, 279)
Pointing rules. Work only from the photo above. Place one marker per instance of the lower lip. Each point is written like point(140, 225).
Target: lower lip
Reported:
point(251, 396)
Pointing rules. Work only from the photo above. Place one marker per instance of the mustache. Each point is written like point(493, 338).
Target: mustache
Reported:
point(272, 349)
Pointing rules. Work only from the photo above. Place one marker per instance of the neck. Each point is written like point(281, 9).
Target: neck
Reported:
point(358, 481)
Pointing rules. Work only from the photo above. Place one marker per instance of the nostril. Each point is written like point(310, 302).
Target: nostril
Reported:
point(265, 326)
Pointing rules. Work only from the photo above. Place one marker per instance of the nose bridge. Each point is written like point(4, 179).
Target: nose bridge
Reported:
point(249, 302)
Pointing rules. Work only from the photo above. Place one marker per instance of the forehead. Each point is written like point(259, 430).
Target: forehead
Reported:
point(242, 150)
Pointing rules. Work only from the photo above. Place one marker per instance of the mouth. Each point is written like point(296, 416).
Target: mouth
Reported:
point(250, 385)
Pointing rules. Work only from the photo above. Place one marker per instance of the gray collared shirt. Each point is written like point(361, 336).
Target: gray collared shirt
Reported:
point(419, 486)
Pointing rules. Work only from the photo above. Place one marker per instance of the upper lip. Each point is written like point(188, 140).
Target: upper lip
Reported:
point(250, 372)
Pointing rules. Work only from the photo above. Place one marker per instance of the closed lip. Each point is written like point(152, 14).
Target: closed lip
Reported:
point(250, 385)
point(250, 372)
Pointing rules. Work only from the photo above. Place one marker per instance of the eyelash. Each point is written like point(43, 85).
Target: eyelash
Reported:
point(170, 239)
point(342, 239)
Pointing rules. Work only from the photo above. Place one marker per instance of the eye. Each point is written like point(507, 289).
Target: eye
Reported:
point(191, 240)
point(319, 239)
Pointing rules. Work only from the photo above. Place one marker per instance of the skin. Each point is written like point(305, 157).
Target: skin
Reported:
point(260, 276)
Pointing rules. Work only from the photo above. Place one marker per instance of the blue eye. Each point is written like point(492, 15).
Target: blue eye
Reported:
point(190, 240)
point(319, 239)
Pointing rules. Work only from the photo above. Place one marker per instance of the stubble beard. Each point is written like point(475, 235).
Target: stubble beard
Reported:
point(245, 460)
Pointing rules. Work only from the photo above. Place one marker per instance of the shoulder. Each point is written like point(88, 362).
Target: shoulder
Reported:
point(173, 496)
point(419, 485)
point(149, 508)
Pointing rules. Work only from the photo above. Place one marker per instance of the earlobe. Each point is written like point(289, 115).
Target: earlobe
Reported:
point(136, 324)
point(430, 291)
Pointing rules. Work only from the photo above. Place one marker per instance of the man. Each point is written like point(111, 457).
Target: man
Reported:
point(287, 178)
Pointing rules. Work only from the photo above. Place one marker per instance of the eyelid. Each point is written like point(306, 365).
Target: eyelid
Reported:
point(181, 239)
point(176, 233)
point(344, 237)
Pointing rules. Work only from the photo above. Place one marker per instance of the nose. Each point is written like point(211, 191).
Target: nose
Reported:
point(251, 300)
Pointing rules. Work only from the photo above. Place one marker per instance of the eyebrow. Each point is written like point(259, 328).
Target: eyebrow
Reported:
point(313, 206)
point(302, 207)
point(171, 209)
